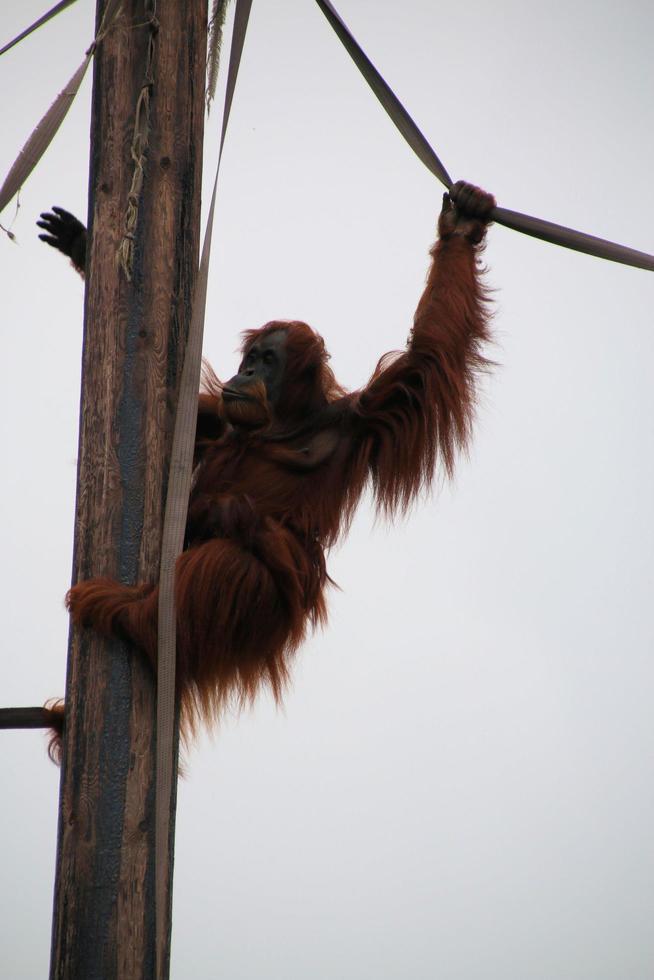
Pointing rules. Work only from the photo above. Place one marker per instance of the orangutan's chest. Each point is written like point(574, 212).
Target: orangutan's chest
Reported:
point(271, 467)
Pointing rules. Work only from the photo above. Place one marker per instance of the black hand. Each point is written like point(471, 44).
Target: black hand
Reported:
point(66, 234)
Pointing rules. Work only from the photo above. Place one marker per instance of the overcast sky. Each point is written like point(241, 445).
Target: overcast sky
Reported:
point(461, 784)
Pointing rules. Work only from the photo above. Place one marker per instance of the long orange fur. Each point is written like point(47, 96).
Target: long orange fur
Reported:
point(268, 499)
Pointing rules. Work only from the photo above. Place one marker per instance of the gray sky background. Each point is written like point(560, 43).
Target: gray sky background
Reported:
point(461, 784)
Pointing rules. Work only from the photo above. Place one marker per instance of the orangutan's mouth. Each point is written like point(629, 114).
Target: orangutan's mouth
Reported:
point(231, 395)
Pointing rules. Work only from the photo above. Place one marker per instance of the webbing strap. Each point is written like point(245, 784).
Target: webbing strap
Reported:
point(179, 486)
point(46, 129)
point(388, 99)
point(580, 241)
point(48, 15)
point(536, 227)
point(41, 136)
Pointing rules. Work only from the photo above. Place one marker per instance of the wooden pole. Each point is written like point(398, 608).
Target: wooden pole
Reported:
point(134, 336)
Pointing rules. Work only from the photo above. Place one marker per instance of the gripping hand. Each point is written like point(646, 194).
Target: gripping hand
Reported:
point(466, 211)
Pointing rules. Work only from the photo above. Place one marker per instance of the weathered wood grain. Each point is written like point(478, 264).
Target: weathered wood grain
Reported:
point(134, 334)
